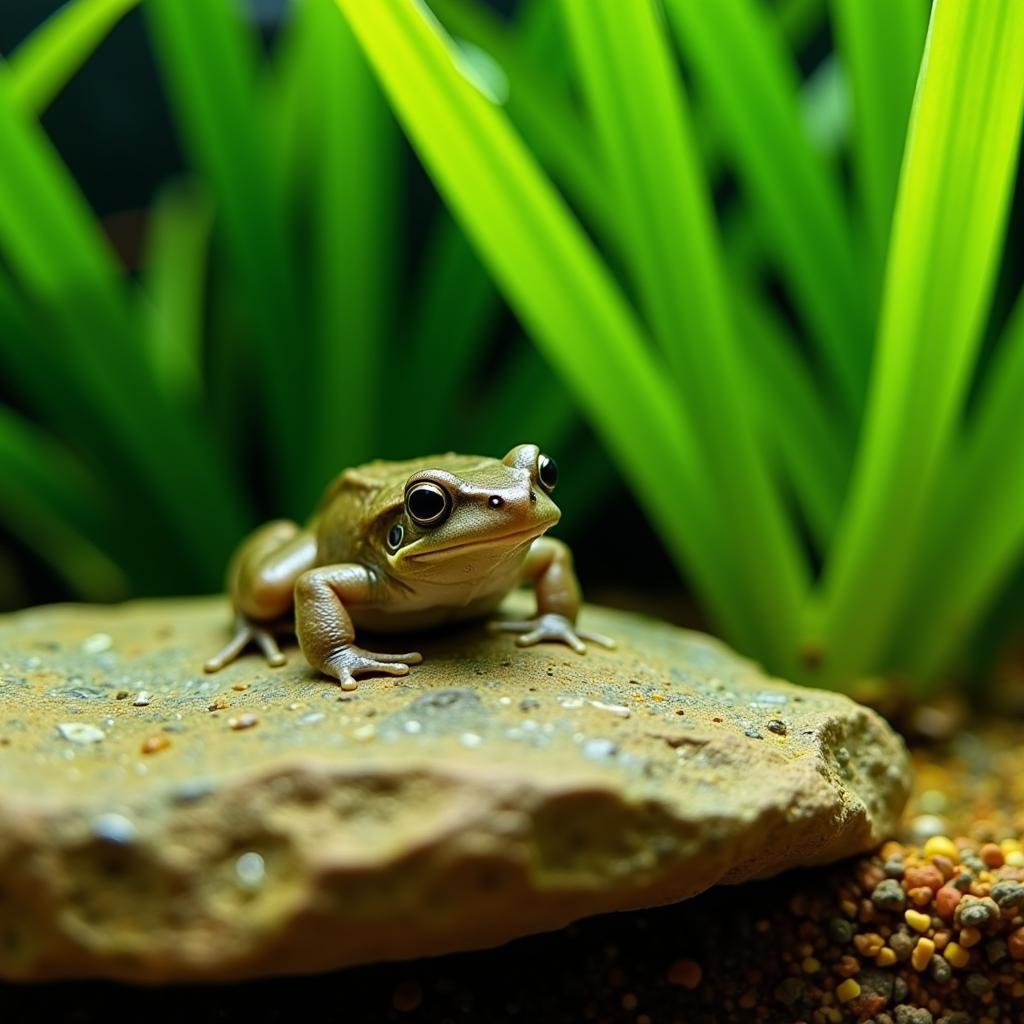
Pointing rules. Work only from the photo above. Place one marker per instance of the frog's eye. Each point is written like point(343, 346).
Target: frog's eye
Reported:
point(547, 472)
point(428, 504)
point(395, 536)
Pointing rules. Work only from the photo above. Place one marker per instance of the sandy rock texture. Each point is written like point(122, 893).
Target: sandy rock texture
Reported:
point(159, 824)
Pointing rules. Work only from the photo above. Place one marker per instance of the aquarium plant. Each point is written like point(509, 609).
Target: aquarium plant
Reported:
point(762, 247)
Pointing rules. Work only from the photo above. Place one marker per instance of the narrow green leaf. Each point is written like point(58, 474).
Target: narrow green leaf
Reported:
point(174, 264)
point(208, 57)
point(456, 306)
point(635, 97)
point(813, 451)
point(52, 506)
point(540, 109)
point(51, 56)
point(880, 45)
point(961, 571)
point(83, 327)
point(950, 217)
point(755, 94)
point(552, 279)
point(353, 243)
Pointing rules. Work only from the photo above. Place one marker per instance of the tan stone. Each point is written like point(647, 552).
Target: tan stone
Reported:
point(494, 792)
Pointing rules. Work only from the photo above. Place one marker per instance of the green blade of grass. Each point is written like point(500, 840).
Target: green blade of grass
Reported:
point(811, 447)
point(49, 58)
point(962, 571)
point(755, 94)
point(949, 220)
point(84, 327)
point(353, 244)
point(53, 508)
point(635, 97)
point(540, 108)
point(455, 298)
point(174, 263)
point(880, 46)
point(553, 280)
point(208, 57)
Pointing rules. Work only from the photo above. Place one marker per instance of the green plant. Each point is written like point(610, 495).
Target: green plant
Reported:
point(677, 360)
point(832, 472)
point(263, 343)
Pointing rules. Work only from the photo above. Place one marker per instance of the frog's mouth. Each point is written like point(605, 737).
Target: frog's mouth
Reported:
point(506, 541)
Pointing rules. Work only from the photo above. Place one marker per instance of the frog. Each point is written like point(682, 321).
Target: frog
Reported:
point(405, 546)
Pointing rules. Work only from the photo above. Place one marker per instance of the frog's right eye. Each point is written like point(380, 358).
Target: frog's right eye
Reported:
point(428, 504)
point(395, 536)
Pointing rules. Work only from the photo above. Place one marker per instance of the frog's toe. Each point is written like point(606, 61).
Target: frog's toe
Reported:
point(597, 638)
point(354, 661)
point(268, 645)
point(231, 650)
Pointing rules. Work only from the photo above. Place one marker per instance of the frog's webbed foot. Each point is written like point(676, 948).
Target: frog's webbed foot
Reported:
point(247, 632)
point(553, 627)
point(353, 661)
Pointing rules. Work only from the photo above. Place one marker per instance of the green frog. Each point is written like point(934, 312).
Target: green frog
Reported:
point(402, 546)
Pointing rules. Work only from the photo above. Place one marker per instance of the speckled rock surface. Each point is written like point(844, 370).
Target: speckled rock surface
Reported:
point(159, 824)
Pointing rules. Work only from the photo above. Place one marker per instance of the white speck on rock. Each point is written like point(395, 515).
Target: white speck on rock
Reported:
point(412, 727)
point(365, 732)
point(600, 749)
point(250, 870)
point(80, 732)
point(616, 709)
point(142, 699)
point(471, 740)
point(312, 718)
point(505, 701)
point(571, 703)
point(114, 828)
point(97, 643)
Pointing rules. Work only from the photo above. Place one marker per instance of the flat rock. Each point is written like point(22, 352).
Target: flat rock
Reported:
point(159, 824)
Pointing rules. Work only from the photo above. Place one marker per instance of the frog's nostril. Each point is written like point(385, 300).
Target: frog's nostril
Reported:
point(533, 496)
point(496, 501)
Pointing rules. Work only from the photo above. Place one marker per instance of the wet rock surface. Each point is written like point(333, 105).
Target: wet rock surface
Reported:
point(160, 824)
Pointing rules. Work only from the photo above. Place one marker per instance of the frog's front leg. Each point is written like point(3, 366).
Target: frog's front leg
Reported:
point(549, 567)
point(261, 579)
point(325, 628)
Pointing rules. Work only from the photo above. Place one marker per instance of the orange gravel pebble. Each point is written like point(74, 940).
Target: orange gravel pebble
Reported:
point(686, 973)
point(154, 744)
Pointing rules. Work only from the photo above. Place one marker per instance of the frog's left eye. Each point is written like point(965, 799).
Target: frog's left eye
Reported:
point(395, 536)
point(547, 472)
point(428, 504)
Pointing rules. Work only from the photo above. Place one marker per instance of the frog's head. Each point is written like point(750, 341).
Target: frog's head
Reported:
point(454, 527)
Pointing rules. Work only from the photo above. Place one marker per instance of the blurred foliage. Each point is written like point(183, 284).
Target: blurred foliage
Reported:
point(755, 244)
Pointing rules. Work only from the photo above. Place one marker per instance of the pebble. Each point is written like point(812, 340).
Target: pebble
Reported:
point(1008, 893)
point(946, 900)
point(246, 721)
point(154, 744)
point(889, 895)
point(918, 921)
point(142, 699)
point(114, 828)
point(250, 870)
point(686, 973)
point(922, 955)
point(80, 732)
point(97, 643)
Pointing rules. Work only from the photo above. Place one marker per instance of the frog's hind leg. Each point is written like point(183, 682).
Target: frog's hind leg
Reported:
point(261, 580)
